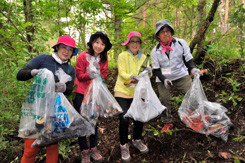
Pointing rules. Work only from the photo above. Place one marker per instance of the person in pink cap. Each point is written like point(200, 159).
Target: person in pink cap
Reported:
point(64, 49)
point(171, 61)
point(129, 63)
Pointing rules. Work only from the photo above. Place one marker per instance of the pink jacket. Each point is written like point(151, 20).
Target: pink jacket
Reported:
point(82, 77)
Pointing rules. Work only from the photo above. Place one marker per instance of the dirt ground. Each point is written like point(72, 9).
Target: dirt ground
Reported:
point(184, 144)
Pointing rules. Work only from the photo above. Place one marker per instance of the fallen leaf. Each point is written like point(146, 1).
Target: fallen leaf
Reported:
point(225, 155)
point(101, 130)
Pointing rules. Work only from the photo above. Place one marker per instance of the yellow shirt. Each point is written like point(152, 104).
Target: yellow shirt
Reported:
point(127, 65)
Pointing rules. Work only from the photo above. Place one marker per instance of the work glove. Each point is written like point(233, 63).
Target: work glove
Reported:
point(34, 72)
point(96, 65)
point(149, 70)
point(168, 83)
point(60, 87)
point(195, 71)
point(92, 75)
point(134, 77)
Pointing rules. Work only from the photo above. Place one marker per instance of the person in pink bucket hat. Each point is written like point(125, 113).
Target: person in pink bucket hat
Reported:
point(129, 63)
point(64, 49)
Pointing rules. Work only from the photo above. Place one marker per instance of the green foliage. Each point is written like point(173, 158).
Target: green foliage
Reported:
point(225, 97)
point(177, 100)
point(237, 18)
point(112, 63)
point(223, 53)
point(85, 17)
point(158, 132)
point(65, 147)
point(234, 83)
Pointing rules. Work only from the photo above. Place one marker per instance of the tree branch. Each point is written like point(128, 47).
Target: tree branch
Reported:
point(14, 26)
point(202, 30)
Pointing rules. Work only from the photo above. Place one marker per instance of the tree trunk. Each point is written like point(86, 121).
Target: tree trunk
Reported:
point(226, 15)
point(201, 11)
point(29, 18)
point(199, 37)
point(118, 22)
point(144, 16)
point(221, 17)
point(185, 23)
point(176, 17)
point(58, 19)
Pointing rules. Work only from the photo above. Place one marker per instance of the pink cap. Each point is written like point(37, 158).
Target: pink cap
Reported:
point(131, 34)
point(67, 40)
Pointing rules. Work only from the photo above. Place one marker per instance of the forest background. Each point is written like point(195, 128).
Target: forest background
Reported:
point(214, 30)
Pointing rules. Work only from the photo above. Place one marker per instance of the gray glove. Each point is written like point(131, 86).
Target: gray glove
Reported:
point(195, 71)
point(133, 77)
point(92, 75)
point(148, 69)
point(168, 83)
point(60, 87)
point(34, 72)
point(96, 65)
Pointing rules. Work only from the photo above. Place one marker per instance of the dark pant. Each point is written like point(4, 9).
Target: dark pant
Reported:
point(82, 141)
point(124, 122)
point(183, 85)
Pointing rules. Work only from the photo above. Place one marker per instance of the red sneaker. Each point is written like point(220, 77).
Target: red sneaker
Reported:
point(167, 127)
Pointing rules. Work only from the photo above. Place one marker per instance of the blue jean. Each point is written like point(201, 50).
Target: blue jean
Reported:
point(82, 141)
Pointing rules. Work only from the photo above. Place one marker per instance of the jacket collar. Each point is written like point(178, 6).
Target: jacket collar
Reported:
point(57, 59)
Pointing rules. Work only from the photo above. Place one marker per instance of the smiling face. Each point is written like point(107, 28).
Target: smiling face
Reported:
point(98, 46)
point(165, 35)
point(134, 45)
point(64, 52)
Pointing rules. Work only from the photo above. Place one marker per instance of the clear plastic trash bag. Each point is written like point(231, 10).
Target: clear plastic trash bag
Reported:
point(145, 105)
point(62, 121)
point(203, 116)
point(98, 101)
point(39, 100)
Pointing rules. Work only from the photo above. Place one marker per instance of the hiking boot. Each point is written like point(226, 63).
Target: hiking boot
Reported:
point(140, 146)
point(125, 155)
point(167, 127)
point(85, 156)
point(95, 154)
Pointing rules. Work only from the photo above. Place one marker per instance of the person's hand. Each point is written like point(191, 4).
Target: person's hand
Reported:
point(96, 65)
point(195, 71)
point(168, 83)
point(134, 77)
point(149, 70)
point(92, 75)
point(60, 87)
point(34, 72)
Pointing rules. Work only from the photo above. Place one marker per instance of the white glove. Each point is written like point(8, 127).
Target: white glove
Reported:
point(195, 71)
point(60, 87)
point(34, 72)
point(96, 65)
point(92, 75)
point(168, 83)
point(133, 77)
point(148, 69)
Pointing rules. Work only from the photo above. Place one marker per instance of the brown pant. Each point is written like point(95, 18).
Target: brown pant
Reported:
point(183, 84)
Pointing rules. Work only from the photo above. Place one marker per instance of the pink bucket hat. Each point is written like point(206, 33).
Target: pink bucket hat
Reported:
point(67, 40)
point(131, 34)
